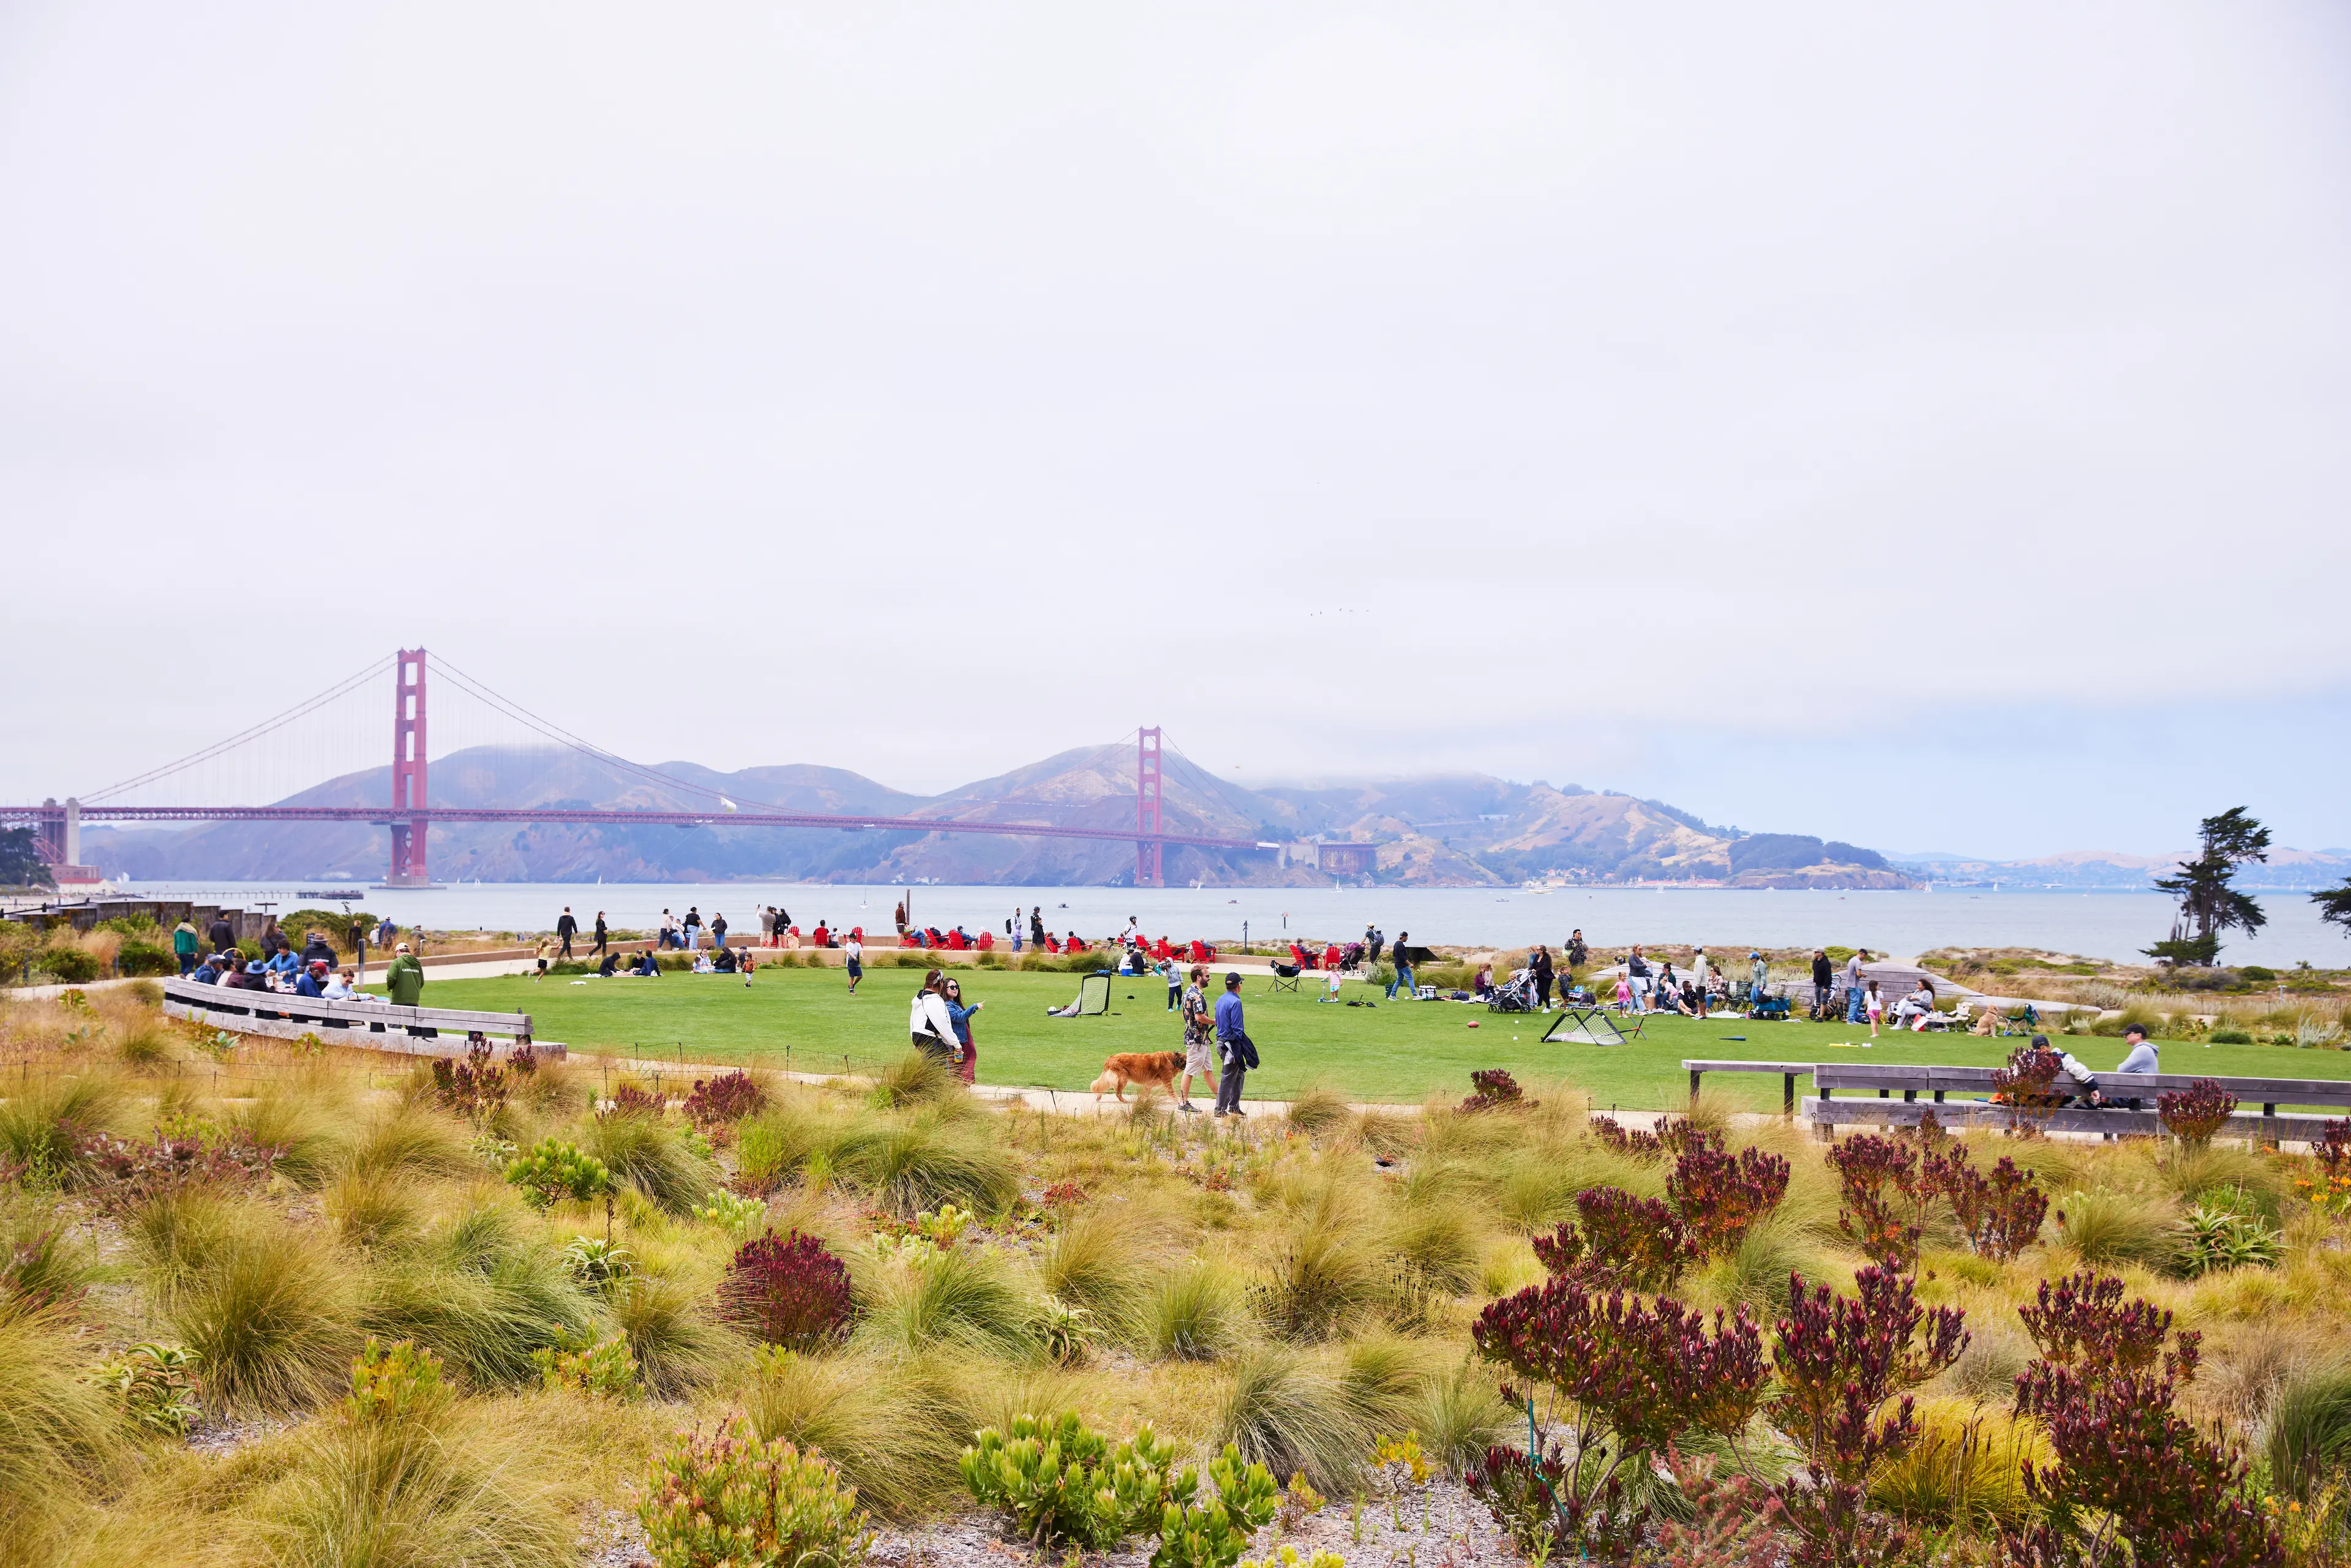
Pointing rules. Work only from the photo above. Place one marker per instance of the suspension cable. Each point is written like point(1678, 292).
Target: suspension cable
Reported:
point(341, 688)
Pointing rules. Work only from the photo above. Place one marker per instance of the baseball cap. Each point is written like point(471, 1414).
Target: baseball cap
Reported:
point(1233, 978)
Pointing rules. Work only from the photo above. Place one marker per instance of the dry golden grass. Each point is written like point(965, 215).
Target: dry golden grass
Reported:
point(1274, 1285)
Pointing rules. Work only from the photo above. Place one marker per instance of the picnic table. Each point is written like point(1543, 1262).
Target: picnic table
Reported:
point(1973, 1105)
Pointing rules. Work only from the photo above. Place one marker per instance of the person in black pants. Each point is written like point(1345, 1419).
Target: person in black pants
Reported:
point(1541, 966)
point(1823, 982)
point(566, 928)
point(600, 933)
point(1234, 1048)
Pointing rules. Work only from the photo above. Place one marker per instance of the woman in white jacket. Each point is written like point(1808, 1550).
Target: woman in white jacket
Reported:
point(929, 1025)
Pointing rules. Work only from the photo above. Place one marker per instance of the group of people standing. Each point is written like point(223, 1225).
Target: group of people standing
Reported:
point(940, 1024)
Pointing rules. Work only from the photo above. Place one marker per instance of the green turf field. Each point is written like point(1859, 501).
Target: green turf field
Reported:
point(1396, 1052)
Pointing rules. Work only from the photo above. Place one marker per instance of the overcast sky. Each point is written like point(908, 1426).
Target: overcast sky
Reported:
point(1924, 425)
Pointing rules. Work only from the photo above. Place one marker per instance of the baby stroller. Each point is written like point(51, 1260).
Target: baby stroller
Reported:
point(1515, 995)
point(1769, 1010)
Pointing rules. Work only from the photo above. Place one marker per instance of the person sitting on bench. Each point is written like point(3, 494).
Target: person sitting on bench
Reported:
point(2141, 1059)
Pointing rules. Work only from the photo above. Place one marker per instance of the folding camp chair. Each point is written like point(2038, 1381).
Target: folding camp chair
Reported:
point(1285, 977)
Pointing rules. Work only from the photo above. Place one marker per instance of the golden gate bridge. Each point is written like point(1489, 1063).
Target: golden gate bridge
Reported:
point(410, 813)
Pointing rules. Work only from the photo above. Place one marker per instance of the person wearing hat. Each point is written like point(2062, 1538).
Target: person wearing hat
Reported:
point(1234, 1048)
point(1762, 980)
point(404, 981)
point(252, 977)
point(312, 981)
point(2141, 1058)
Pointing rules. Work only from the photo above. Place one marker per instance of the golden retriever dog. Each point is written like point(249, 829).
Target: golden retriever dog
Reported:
point(1138, 1067)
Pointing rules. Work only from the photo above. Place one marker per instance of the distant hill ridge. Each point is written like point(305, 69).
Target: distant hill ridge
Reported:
point(1465, 829)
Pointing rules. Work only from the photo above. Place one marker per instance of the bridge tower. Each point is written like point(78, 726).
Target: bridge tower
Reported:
point(408, 782)
point(1148, 869)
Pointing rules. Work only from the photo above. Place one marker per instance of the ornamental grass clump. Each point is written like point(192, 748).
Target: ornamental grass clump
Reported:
point(728, 1500)
point(1063, 1484)
point(788, 1291)
point(2194, 1114)
point(1841, 1360)
point(1625, 1380)
point(2134, 1482)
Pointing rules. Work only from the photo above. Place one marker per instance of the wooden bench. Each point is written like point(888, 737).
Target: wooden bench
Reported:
point(361, 1026)
point(1827, 1112)
point(1789, 1073)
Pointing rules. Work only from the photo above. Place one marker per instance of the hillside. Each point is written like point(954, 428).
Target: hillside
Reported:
point(1455, 830)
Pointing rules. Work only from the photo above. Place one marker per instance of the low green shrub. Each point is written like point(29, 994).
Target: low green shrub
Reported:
point(604, 1370)
point(729, 1500)
point(2232, 1036)
point(157, 1386)
point(1196, 1531)
point(1063, 1484)
point(556, 1172)
point(134, 957)
point(396, 1383)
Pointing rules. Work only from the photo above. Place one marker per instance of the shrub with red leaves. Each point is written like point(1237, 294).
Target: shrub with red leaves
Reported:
point(721, 1101)
point(1625, 1243)
point(2131, 1471)
point(1674, 1135)
point(124, 1175)
point(1626, 1379)
point(476, 1087)
point(1496, 1090)
point(1064, 1195)
point(1886, 1197)
point(629, 1100)
point(1732, 1521)
point(2194, 1114)
point(2333, 1149)
point(1721, 1196)
point(522, 1060)
point(2026, 1084)
point(787, 1289)
point(1841, 1360)
point(2001, 1214)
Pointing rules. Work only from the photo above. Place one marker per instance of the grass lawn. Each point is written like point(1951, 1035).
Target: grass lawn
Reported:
point(1396, 1052)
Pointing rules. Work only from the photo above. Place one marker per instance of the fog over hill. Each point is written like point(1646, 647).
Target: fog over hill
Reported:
point(1461, 830)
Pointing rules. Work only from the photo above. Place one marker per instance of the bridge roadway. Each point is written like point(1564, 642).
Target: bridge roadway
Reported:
point(383, 815)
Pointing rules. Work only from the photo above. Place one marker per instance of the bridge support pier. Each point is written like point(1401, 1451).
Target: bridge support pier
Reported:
point(408, 775)
point(1148, 871)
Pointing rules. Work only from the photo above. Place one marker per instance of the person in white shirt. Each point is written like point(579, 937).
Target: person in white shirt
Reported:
point(340, 988)
point(856, 951)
